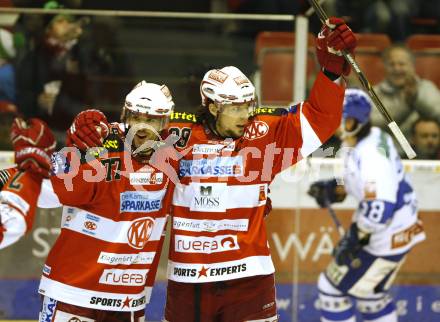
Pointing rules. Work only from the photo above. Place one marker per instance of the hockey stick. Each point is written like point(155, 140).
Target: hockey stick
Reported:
point(411, 154)
point(315, 192)
point(355, 262)
point(335, 218)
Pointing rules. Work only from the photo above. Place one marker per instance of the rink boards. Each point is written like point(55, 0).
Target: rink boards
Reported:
point(414, 303)
point(301, 239)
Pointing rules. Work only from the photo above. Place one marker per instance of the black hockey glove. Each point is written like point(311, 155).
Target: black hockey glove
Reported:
point(349, 246)
point(323, 191)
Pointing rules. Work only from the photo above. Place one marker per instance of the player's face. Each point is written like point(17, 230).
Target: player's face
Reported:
point(348, 125)
point(147, 128)
point(399, 67)
point(232, 119)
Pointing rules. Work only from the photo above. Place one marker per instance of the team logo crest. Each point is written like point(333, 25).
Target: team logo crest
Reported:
point(139, 232)
point(256, 130)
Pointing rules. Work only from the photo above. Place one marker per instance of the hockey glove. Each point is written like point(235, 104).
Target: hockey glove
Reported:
point(334, 37)
point(324, 191)
point(33, 144)
point(349, 246)
point(89, 129)
point(4, 177)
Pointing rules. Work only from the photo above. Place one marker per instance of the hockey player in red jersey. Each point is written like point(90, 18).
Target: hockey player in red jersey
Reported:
point(33, 144)
point(103, 264)
point(220, 268)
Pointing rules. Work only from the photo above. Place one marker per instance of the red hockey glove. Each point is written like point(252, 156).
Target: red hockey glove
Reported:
point(89, 129)
point(33, 144)
point(334, 37)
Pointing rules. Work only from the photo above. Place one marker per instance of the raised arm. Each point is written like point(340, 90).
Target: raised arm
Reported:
point(321, 113)
point(304, 127)
point(33, 145)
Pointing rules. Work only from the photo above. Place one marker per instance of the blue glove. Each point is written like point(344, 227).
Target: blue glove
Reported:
point(349, 246)
point(324, 191)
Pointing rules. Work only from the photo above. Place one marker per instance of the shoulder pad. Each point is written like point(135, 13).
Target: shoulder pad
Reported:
point(183, 117)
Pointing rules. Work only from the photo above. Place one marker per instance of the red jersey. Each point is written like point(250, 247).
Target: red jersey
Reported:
point(18, 202)
point(218, 228)
point(113, 220)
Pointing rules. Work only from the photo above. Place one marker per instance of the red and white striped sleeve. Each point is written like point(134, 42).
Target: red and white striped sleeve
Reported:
point(303, 128)
point(18, 202)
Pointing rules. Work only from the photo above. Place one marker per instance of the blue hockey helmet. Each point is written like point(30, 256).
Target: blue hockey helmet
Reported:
point(357, 105)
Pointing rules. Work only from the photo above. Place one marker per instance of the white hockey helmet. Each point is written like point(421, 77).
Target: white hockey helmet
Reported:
point(145, 105)
point(227, 86)
point(150, 99)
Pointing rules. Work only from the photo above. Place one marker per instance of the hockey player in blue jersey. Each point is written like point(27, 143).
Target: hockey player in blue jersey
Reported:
point(384, 227)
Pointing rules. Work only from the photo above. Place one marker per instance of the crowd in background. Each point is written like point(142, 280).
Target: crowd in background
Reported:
point(397, 18)
point(45, 60)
